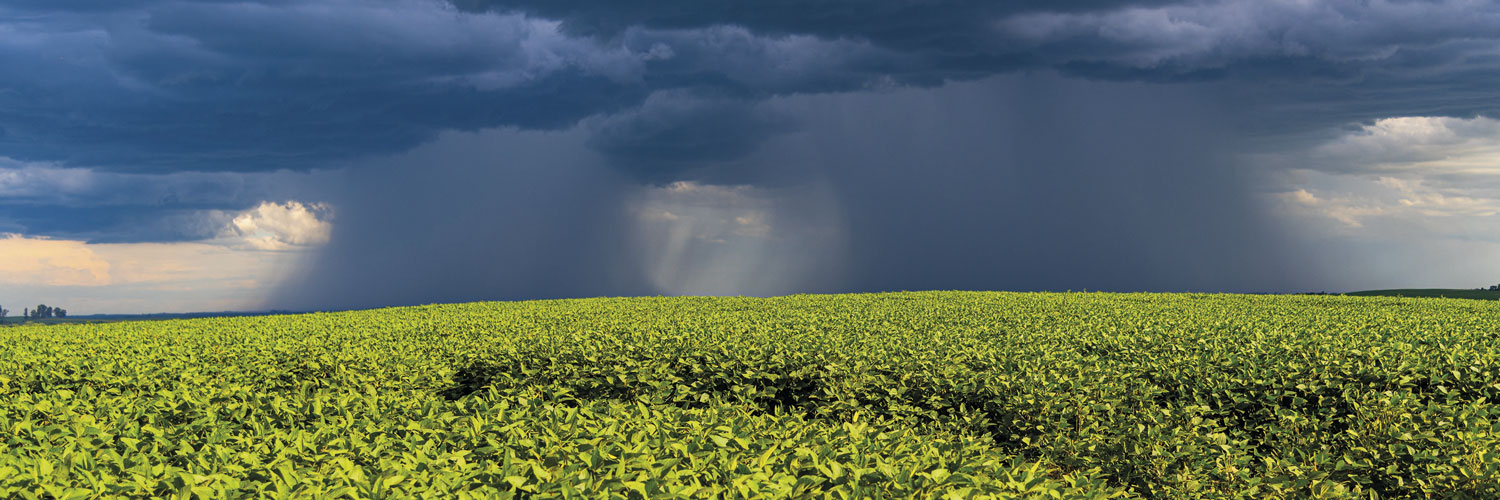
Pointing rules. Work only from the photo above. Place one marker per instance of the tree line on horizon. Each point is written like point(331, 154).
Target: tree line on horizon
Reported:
point(42, 311)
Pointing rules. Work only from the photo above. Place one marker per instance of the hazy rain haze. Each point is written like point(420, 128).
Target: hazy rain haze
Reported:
point(176, 155)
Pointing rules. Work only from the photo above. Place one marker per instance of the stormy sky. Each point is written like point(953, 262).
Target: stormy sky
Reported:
point(170, 155)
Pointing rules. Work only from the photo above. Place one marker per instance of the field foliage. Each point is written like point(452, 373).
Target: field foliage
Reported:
point(932, 394)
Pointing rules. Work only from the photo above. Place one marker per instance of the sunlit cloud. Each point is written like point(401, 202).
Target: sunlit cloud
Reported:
point(704, 239)
point(254, 251)
point(1433, 170)
point(280, 226)
point(1399, 202)
point(1440, 146)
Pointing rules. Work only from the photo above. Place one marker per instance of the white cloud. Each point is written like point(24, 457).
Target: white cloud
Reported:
point(1436, 175)
point(280, 226)
point(1417, 144)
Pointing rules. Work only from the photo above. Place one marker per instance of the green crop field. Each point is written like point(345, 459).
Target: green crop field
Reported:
point(927, 395)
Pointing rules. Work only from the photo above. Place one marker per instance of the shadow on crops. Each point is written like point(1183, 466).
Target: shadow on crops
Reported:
point(805, 390)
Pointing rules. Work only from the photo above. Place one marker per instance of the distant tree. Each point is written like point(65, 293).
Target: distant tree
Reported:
point(3, 312)
point(42, 311)
point(25, 314)
point(60, 312)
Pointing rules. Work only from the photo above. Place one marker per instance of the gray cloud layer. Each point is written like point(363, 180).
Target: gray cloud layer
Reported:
point(178, 85)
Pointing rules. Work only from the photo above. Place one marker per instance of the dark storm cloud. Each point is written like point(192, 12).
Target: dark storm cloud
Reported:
point(671, 134)
point(1308, 65)
point(169, 86)
point(943, 24)
point(116, 224)
point(499, 214)
point(113, 207)
point(178, 85)
point(1116, 174)
point(1117, 39)
point(1041, 183)
point(51, 185)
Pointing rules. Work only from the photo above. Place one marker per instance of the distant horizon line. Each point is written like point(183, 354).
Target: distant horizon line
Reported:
point(273, 312)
